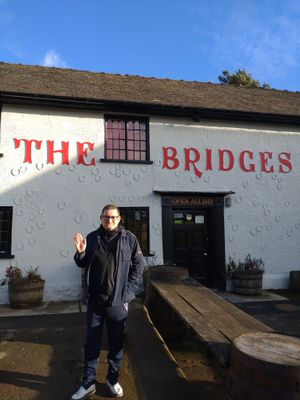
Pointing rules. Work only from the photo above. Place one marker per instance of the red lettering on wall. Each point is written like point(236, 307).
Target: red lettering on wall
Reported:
point(28, 147)
point(194, 160)
point(209, 160)
point(284, 159)
point(82, 152)
point(64, 151)
point(265, 156)
point(230, 160)
point(172, 158)
point(251, 167)
point(189, 161)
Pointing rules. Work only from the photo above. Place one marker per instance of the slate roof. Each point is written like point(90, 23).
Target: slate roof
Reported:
point(25, 81)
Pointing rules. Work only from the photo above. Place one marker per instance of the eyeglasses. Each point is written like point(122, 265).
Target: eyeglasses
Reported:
point(107, 217)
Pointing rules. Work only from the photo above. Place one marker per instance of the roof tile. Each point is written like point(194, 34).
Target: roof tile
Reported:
point(69, 83)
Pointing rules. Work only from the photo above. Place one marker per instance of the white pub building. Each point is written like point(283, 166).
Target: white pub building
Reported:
point(201, 172)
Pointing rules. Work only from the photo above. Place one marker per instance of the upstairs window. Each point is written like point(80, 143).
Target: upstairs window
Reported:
point(136, 220)
point(5, 231)
point(126, 139)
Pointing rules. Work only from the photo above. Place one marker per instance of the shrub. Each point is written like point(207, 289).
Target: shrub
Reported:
point(14, 275)
point(250, 265)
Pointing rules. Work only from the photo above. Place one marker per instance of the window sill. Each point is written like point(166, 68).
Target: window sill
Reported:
point(6, 256)
point(125, 161)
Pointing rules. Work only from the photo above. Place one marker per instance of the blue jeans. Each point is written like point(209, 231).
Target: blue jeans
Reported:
point(114, 318)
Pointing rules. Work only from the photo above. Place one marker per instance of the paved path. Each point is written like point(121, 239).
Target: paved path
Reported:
point(41, 358)
point(282, 316)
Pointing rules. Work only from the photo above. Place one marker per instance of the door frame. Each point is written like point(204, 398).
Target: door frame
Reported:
point(215, 203)
point(188, 229)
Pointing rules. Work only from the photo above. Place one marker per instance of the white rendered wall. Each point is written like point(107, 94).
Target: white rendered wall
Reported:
point(52, 202)
point(264, 219)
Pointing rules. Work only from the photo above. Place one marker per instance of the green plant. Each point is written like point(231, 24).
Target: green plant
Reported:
point(250, 265)
point(33, 275)
point(14, 275)
point(241, 78)
point(230, 267)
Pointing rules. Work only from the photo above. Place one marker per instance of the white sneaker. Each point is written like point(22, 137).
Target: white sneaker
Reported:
point(115, 390)
point(83, 393)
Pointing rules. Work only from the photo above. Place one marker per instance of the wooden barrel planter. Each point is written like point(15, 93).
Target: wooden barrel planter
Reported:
point(26, 294)
point(264, 366)
point(249, 284)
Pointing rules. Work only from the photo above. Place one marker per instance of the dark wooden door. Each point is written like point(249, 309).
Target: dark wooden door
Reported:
point(191, 241)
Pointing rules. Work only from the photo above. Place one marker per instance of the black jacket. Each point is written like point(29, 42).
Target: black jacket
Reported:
point(129, 263)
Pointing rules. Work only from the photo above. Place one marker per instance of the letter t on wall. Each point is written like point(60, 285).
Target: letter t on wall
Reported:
point(28, 147)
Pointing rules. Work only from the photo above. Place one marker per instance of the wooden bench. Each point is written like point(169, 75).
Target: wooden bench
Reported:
point(215, 321)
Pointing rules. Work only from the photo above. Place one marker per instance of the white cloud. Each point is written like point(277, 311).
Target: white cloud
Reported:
point(260, 36)
point(53, 59)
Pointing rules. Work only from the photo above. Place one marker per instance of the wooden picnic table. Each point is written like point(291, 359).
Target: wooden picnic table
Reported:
point(214, 320)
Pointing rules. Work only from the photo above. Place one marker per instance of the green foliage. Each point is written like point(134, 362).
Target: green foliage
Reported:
point(250, 265)
point(33, 275)
point(241, 78)
point(14, 275)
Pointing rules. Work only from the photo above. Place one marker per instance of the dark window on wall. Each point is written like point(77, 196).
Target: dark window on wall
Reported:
point(126, 139)
point(136, 220)
point(5, 231)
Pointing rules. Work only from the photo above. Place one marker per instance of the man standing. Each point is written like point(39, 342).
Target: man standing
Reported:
point(114, 263)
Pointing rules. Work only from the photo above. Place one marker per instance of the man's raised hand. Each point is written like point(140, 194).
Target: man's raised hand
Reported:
point(80, 242)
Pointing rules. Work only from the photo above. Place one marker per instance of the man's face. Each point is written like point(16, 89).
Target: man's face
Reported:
point(110, 219)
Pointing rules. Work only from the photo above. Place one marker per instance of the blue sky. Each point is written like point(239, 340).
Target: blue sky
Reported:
point(190, 40)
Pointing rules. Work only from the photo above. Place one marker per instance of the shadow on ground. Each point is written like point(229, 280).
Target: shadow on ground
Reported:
point(41, 359)
point(41, 356)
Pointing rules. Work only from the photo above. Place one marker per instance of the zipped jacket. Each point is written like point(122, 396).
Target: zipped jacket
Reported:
point(129, 264)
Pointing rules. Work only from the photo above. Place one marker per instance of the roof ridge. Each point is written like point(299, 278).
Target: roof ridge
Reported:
point(186, 97)
point(215, 84)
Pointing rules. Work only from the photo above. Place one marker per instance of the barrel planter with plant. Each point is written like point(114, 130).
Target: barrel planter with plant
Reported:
point(247, 275)
point(25, 290)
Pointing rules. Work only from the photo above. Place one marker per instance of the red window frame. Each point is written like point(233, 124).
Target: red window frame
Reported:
point(126, 139)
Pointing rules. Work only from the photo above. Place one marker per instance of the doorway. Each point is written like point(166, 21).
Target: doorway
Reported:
point(193, 236)
point(191, 239)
